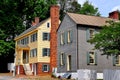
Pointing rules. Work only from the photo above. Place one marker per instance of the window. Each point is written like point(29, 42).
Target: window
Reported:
point(69, 36)
point(116, 60)
point(34, 37)
point(91, 58)
point(46, 36)
point(62, 38)
point(48, 25)
point(66, 37)
point(33, 52)
point(24, 41)
point(69, 65)
point(45, 68)
point(90, 33)
point(46, 51)
point(62, 58)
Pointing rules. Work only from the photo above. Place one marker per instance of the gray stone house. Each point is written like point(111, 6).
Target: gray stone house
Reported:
point(74, 51)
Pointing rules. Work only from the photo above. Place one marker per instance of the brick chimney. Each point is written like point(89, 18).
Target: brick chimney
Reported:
point(36, 21)
point(114, 15)
point(54, 15)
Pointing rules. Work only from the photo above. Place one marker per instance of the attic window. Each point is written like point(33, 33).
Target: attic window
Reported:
point(48, 25)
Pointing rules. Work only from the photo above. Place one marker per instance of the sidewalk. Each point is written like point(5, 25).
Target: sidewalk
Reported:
point(9, 76)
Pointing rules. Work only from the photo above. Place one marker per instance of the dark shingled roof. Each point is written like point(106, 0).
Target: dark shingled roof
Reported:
point(88, 20)
point(32, 28)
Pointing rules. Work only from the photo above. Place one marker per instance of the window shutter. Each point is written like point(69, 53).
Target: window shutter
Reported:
point(49, 36)
point(60, 39)
point(87, 34)
point(63, 58)
point(88, 58)
point(48, 67)
point(95, 58)
point(66, 37)
point(42, 68)
point(114, 59)
point(59, 59)
point(48, 51)
point(63, 38)
point(43, 52)
point(71, 35)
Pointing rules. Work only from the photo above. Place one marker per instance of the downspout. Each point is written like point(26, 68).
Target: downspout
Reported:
point(77, 49)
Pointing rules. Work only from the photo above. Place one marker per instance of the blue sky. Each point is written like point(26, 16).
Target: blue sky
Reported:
point(104, 6)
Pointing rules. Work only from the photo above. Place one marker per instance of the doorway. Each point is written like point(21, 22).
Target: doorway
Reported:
point(25, 56)
point(68, 62)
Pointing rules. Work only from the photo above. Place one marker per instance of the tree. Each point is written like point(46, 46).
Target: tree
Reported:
point(75, 7)
point(12, 15)
point(89, 9)
point(108, 39)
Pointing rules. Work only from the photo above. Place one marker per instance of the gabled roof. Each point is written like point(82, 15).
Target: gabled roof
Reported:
point(88, 20)
point(32, 28)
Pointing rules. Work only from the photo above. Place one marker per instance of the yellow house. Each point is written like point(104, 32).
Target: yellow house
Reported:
point(33, 49)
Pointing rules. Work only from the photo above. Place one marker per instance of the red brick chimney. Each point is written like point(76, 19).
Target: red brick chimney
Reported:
point(54, 14)
point(36, 21)
point(114, 15)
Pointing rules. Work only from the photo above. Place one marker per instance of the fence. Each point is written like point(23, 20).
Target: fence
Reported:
point(111, 74)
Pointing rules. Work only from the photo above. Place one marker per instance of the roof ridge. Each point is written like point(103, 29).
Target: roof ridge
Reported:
point(32, 28)
point(88, 15)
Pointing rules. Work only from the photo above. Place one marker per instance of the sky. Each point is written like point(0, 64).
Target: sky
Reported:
point(104, 6)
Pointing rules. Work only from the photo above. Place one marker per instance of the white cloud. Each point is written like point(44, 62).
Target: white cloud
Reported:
point(116, 8)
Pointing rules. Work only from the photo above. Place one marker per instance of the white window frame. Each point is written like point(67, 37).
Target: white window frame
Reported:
point(46, 38)
point(92, 56)
point(47, 68)
point(117, 61)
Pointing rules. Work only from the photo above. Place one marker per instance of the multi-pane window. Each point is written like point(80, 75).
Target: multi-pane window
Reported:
point(34, 37)
point(62, 58)
point(45, 67)
point(90, 33)
point(23, 41)
point(66, 37)
point(46, 52)
point(69, 62)
point(116, 60)
point(62, 38)
point(33, 52)
point(46, 36)
point(91, 57)
point(69, 36)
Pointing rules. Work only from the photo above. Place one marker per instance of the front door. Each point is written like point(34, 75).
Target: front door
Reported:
point(25, 56)
point(68, 62)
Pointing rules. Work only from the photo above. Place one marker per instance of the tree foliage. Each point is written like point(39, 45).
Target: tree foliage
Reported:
point(108, 39)
point(12, 15)
point(75, 7)
point(89, 9)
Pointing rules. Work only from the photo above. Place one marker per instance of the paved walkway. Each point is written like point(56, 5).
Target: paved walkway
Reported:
point(9, 76)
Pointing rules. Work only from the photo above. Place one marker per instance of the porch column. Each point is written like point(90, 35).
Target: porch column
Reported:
point(35, 69)
point(18, 66)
